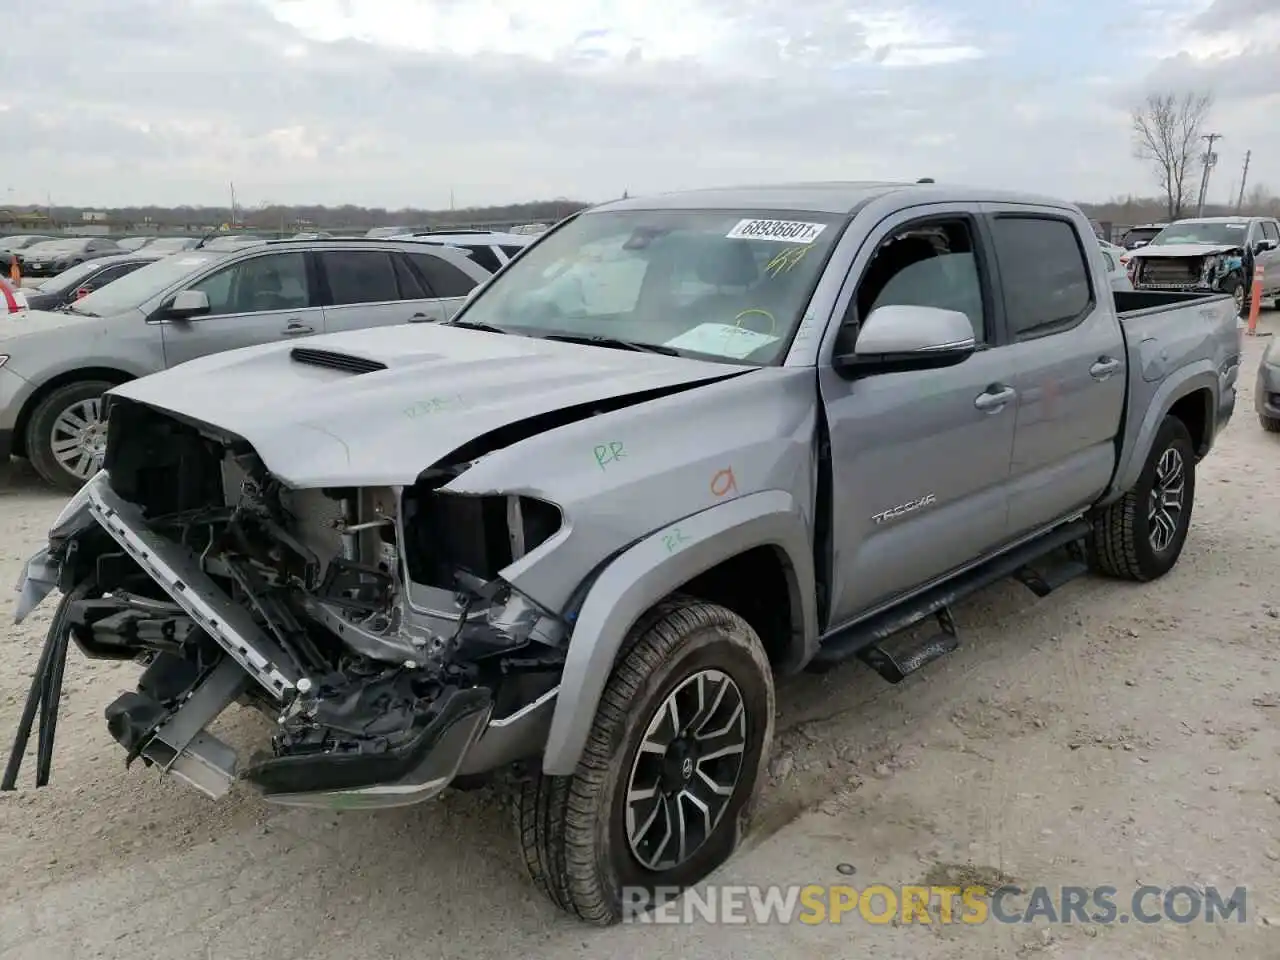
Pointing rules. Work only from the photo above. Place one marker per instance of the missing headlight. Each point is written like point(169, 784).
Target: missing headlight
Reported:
point(446, 532)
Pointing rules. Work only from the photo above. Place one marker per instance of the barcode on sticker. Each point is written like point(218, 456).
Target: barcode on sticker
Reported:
point(785, 231)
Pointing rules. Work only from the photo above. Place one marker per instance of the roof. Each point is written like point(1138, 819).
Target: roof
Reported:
point(1237, 219)
point(831, 197)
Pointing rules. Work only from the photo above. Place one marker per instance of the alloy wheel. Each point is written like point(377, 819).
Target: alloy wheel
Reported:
point(686, 770)
point(1164, 510)
point(79, 438)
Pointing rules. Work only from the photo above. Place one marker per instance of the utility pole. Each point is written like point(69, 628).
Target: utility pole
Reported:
point(1210, 158)
point(1244, 178)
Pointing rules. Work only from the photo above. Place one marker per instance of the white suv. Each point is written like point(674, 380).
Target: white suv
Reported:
point(489, 249)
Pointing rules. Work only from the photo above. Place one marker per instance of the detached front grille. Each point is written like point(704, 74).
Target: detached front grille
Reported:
point(335, 361)
point(1170, 271)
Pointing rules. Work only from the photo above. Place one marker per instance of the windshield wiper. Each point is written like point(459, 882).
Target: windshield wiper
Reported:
point(598, 340)
point(474, 325)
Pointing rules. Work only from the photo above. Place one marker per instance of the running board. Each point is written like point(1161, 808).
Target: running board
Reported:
point(872, 632)
point(896, 666)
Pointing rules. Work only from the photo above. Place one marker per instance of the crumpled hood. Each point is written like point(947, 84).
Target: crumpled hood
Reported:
point(315, 426)
point(34, 321)
point(1183, 250)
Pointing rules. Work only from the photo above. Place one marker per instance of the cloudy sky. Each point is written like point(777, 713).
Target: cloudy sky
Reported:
point(398, 102)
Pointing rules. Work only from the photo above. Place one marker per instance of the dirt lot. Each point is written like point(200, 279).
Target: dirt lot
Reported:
point(1110, 734)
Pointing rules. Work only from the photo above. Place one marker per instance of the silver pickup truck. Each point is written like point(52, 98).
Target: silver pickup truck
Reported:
point(678, 446)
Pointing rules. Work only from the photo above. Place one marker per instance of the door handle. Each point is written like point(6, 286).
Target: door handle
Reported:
point(994, 398)
point(1104, 367)
point(296, 329)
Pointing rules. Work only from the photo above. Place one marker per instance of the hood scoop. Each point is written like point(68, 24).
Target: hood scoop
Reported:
point(335, 361)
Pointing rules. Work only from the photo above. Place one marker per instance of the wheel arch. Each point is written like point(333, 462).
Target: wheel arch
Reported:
point(108, 374)
point(1192, 398)
point(756, 536)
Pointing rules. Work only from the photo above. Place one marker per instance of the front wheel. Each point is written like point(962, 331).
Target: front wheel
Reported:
point(1140, 536)
point(1235, 287)
point(665, 786)
point(66, 435)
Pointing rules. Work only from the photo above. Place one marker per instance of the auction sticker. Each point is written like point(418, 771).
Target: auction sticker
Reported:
point(784, 231)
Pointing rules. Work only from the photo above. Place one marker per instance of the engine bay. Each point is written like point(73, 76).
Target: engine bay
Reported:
point(371, 624)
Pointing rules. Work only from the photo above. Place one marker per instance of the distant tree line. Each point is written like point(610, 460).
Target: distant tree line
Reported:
point(283, 217)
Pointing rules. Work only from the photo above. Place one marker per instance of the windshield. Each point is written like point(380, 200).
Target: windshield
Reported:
point(69, 278)
point(1217, 233)
point(710, 284)
point(134, 289)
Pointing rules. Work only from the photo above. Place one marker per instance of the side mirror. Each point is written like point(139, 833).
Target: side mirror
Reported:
point(1266, 244)
point(906, 337)
point(188, 304)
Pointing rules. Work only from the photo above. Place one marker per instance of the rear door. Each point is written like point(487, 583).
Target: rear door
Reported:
point(1069, 353)
point(448, 279)
point(256, 299)
point(369, 288)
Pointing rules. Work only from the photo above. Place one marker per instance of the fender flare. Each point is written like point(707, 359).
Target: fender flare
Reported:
point(1198, 377)
point(651, 569)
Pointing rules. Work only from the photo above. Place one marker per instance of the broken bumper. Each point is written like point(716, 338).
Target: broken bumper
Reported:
point(456, 734)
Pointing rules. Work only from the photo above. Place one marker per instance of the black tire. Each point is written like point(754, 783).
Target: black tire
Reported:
point(1269, 424)
point(573, 829)
point(1235, 287)
point(1120, 544)
point(40, 430)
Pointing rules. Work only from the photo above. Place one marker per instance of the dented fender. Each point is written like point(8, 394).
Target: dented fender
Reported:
point(655, 567)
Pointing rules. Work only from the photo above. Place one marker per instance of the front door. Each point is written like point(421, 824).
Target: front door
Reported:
point(920, 459)
point(255, 300)
point(1269, 260)
point(1069, 354)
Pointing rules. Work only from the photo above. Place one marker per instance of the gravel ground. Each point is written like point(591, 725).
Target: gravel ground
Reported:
point(1110, 734)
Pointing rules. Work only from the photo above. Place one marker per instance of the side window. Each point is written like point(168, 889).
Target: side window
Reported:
point(411, 287)
point(444, 279)
point(1044, 274)
point(511, 250)
point(1270, 231)
point(277, 281)
point(483, 254)
point(359, 276)
point(1109, 261)
point(930, 265)
point(103, 277)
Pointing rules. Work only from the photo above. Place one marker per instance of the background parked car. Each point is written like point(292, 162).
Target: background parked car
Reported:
point(9, 247)
point(199, 302)
point(489, 249)
point(1140, 235)
point(82, 280)
point(133, 243)
point(1115, 257)
point(172, 244)
point(50, 258)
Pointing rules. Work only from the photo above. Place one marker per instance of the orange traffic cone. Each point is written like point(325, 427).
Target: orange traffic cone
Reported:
point(1255, 300)
point(15, 272)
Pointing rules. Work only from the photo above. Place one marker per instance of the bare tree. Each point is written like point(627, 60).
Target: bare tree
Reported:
point(1166, 133)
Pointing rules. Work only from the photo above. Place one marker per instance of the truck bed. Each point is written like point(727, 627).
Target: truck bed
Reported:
point(1136, 303)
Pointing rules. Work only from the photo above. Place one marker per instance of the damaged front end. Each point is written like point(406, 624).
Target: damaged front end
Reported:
point(371, 624)
point(1198, 273)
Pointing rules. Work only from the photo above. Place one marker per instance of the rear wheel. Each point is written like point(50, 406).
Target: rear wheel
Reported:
point(1140, 536)
point(665, 785)
point(66, 436)
point(1269, 424)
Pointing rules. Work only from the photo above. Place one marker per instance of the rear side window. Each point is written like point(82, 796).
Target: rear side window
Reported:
point(483, 254)
point(444, 279)
point(510, 250)
point(1044, 273)
point(411, 288)
point(359, 276)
